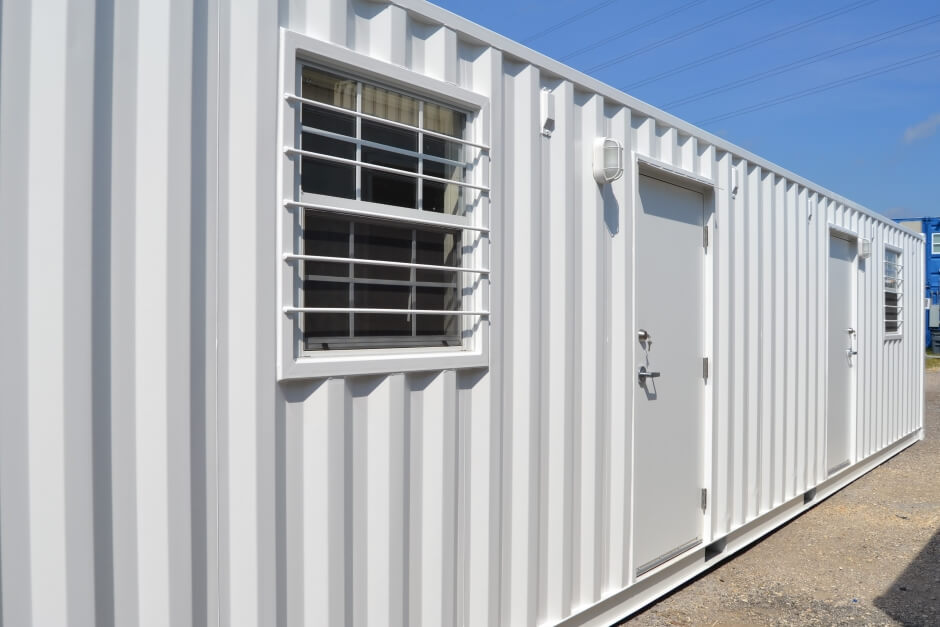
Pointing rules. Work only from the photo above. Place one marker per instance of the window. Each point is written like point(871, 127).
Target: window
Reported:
point(403, 286)
point(399, 152)
point(384, 236)
point(935, 243)
point(893, 291)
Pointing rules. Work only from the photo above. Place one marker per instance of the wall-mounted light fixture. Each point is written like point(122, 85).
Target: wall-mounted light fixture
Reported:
point(864, 248)
point(608, 160)
point(547, 107)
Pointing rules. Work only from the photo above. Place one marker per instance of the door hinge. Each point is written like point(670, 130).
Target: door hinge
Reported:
point(705, 236)
point(705, 368)
point(704, 499)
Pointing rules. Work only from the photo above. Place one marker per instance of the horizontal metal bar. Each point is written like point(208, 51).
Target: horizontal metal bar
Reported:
point(384, 216)
point(365, 281)
point(315, 103)
point(366, 310)
point(345, 342)
point(384, 264)
point(372, 166)
point(394, 149)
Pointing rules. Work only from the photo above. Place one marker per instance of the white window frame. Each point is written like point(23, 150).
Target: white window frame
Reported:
point(899, 279)
point(293, 361)
point(934, 243)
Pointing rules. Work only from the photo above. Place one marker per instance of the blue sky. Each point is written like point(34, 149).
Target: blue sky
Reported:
point(876, 140)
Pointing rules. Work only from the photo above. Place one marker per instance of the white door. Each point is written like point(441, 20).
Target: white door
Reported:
point(841, 353)
point(669, 378)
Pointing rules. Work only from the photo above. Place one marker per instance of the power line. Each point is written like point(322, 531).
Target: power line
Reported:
point(824, 87)
point(828, 54)
point(752, 43)
point(632, 29)
point(678, 36)
point(565, 22)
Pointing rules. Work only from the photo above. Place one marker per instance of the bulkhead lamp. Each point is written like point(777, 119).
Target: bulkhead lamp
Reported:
point(608, 160)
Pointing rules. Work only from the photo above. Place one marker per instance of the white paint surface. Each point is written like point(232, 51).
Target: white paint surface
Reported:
point(466, 496)
point(841, 342)
point(669, 410)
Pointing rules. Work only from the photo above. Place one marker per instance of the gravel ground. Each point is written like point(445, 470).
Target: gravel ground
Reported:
point(868, 555)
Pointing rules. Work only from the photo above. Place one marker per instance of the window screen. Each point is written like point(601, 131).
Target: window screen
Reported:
point(403, 286)
point(370, 273)
point(893, 291)
point(385, 158)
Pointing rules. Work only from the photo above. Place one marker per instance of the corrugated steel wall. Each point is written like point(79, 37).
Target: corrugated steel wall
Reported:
point(152, 471)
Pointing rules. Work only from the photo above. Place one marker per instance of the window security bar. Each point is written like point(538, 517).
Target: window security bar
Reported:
point(367, 281)
point(366, 310)
point(387, 148)
point(365, 116)
point(378, 262)
point(384, 216)
point(319, 155)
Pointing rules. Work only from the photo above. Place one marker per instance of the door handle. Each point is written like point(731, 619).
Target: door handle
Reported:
point(849, 351)
point(643, 374)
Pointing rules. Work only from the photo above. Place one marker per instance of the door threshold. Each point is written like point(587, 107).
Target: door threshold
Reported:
point(648, 566)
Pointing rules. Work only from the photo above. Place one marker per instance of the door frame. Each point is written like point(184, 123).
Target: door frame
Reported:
point(849, 235)
point(709, 188)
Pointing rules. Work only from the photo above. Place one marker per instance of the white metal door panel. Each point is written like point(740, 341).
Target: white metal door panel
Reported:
point(668, 410)
point(842, 342)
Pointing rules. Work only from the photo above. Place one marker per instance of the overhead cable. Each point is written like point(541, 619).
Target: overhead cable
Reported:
point(816, 58)
point(632, 29)
point(565, 22)
point(752, 43)
point(824, 87)
point(689, 31)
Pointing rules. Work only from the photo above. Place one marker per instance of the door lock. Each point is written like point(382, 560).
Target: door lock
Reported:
point(643, 374)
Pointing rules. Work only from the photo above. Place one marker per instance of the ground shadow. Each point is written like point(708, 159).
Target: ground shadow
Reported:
point(914, 597)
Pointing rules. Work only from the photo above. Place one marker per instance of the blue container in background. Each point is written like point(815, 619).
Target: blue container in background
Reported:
point(930, 227)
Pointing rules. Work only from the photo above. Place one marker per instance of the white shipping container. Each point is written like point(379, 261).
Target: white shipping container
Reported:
point(204, 419)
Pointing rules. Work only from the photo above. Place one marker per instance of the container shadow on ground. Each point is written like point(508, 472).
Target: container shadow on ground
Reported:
point(914, 597)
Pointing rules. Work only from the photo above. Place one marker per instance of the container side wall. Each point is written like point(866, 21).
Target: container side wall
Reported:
point(152, 468)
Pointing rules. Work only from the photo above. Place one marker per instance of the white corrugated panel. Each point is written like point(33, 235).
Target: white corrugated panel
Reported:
point(154, 471)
